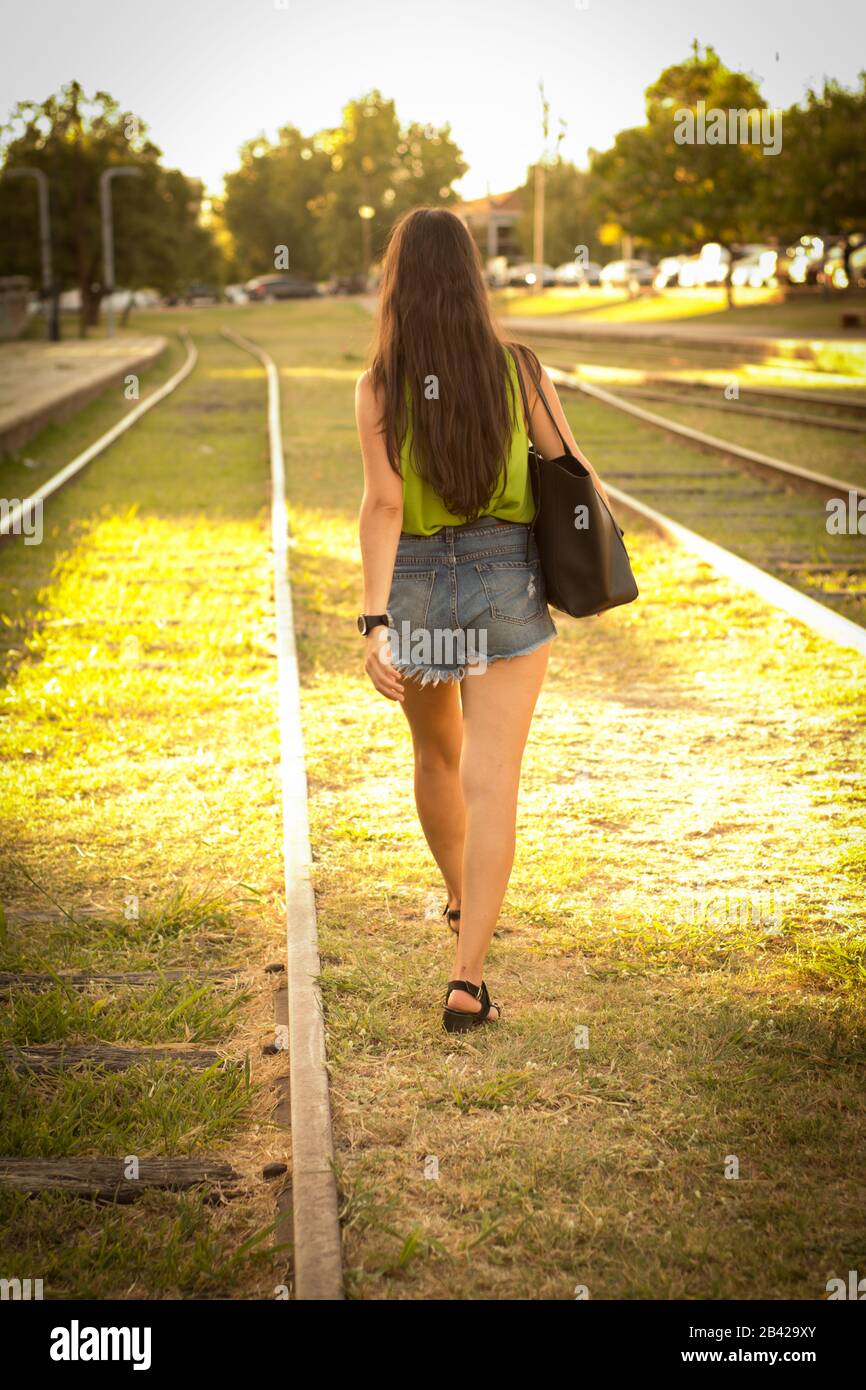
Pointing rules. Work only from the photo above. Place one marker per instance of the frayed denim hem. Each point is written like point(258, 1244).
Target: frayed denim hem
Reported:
point(433, 675)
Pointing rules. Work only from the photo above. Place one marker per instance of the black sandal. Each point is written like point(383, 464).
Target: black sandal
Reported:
point(459, 1020)
point(453, 915)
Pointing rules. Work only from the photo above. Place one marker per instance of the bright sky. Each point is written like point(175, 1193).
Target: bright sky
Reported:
point(208, 74)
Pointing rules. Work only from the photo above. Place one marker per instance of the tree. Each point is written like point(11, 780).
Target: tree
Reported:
point(268, 203)
point(185, 248)
point(666, 193)
point(305, 192)
point(817, 183)
point(376, 163)
point(73, 138)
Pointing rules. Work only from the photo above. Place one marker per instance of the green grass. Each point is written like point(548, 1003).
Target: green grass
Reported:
point(177, 930)
point(165, 1245)
point(140, 804)
point(627, 359)
point(142, 1111)
point(765, 521)
point(171, 1012)
point(837, 453)
point(757, 313)
point(58, 444)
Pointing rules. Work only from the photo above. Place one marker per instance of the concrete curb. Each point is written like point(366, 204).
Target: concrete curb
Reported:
point(15, 433)
point(9, 524)
point(803, 346)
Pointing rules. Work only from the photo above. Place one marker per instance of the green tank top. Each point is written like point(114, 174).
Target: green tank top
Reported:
point(423, 509)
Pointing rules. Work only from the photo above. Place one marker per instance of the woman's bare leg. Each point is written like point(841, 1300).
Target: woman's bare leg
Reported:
point(436, 721)
point(497, 713)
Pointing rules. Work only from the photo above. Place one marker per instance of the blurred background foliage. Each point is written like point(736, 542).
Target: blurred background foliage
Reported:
point(307, 191)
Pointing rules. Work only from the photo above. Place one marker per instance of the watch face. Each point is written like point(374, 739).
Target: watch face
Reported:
point(362, 625)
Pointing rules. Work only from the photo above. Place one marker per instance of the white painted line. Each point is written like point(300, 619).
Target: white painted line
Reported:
point(316, 1225)
point(722, 446)
point(9, 525)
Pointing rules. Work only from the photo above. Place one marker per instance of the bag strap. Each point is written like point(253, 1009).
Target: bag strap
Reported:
point(540, 390)
point(537, 469)
point(534, 457)
point(526, 415)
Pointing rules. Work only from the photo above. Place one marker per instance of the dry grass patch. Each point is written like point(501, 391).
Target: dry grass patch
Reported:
point(688, 888)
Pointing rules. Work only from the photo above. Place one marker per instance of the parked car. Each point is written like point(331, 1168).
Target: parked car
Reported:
point(857, 268)
point(834, 274)
point(709, 267)
point(236, 294)
point(756, 269)
point(197, 293)
point(802, 263)
point(627, 273)
point(270, 287)
point(349, 284)
point(521, 276)
point(668, 272)
point(577, 273)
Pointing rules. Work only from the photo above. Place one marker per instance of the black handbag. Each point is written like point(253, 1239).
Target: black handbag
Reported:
point(584, 562)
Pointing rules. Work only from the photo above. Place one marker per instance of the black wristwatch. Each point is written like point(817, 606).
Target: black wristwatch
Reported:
point(367, 621)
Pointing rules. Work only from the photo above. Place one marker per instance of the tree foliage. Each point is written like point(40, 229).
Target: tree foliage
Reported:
point(269, 201)
point(818, 181)
point(305, 193)
point(158, 236)
point(673, 196)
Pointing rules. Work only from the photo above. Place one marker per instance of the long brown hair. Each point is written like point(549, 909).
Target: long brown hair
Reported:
point(435, 322)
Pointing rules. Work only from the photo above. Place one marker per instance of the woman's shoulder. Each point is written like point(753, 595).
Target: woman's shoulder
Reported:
point(366, 394)
point(519, 353)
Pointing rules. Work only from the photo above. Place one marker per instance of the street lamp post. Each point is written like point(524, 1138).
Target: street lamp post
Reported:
point(51, 319)
point(540, 174)
point(538, 227)
point(117, 171)
point(366, 214)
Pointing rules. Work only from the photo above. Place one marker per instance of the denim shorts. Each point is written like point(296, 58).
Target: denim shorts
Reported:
point(464, 597)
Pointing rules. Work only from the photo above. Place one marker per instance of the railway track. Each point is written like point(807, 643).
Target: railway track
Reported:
point(847, 401)
point(847, 398)
point(316, 1242)
point(297, 1003)
point(686, 397)
point(309, 1220)
point(748, 502)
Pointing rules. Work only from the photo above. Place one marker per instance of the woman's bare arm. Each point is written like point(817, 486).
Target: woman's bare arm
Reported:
point(380, 521)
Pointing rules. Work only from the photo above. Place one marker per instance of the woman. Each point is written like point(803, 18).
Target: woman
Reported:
point(455, 623)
